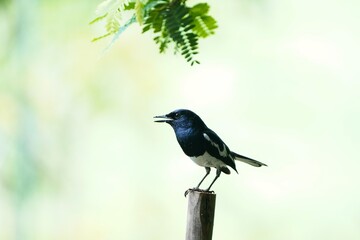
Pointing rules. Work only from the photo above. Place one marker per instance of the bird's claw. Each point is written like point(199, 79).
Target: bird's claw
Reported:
point(198, 190)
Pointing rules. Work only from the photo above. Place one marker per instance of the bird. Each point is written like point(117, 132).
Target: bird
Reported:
point(203, 145)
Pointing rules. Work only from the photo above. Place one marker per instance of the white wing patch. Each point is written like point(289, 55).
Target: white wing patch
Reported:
point(222, 153)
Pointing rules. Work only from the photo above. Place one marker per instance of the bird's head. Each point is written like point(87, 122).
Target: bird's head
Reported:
point(181, 118)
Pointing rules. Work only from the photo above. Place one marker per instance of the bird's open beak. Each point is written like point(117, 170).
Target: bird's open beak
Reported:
point(164, 119)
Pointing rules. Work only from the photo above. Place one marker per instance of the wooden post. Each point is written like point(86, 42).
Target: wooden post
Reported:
point(200, 215)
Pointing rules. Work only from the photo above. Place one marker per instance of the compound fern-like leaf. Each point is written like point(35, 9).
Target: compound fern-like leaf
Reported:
point(171, 21)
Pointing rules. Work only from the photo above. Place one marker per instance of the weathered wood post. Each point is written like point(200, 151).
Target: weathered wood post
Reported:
point(200, 215)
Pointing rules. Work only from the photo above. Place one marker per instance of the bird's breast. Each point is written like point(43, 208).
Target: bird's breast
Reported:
point(192, 148)
point(191, 143)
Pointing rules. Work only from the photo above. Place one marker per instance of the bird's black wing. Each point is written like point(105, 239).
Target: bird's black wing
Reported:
point(217, 148)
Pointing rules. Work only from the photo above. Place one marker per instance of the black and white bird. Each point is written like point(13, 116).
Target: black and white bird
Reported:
point(203, 145)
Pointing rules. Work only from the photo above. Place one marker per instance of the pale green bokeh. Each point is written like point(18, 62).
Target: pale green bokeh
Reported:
point(80, 156)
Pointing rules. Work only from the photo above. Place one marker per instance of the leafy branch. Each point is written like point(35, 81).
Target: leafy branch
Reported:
point(172, 22)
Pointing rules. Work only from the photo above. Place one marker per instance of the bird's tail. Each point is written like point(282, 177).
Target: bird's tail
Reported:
point(247, 160)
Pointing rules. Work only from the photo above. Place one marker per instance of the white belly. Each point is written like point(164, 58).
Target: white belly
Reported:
point(207, 160)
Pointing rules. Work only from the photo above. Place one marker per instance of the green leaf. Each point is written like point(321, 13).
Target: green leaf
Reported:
point(113, 22)
point(139, 11)
point(100, 37)
point(146, 28)
point(129, 6)
point(204, 26)
point(200, 9)
point(97, 19)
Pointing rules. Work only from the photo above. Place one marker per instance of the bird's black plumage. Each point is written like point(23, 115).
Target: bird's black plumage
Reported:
point(202, 144)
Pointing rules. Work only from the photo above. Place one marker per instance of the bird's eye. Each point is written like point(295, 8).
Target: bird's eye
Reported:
point(177, 115)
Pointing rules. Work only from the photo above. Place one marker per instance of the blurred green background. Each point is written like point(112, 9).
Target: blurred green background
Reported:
point(80, 156)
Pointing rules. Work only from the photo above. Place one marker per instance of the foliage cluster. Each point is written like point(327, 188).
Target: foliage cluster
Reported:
point(173, 22)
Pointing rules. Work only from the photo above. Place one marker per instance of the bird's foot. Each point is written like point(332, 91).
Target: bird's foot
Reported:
point(198, 190)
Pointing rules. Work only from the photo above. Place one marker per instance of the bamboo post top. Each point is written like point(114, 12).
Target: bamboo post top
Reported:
point(200, 215)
